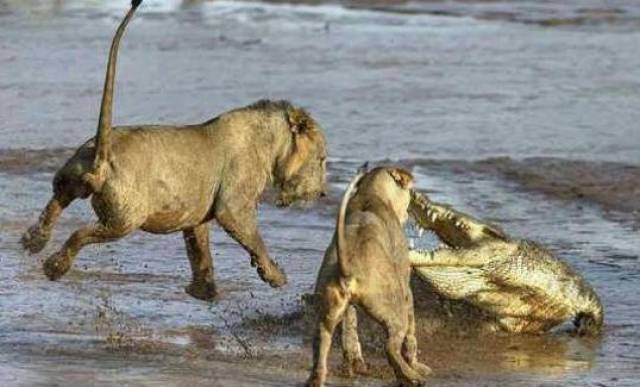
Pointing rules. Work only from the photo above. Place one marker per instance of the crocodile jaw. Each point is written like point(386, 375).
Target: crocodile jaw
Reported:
point(456, 229)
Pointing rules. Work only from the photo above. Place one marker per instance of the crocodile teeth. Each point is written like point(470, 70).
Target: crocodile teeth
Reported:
point(458, 224)
point(420, 231)
point(434, 216)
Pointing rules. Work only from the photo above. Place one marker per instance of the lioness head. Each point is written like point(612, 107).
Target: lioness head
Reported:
point(391, 185)
point(302, 175)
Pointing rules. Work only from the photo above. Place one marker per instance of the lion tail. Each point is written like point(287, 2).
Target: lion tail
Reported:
point(341, 240)
point(103, 135)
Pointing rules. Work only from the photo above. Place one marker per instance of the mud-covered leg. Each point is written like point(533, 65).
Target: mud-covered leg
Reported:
point(202, 284)
point(410, 345)
point(37, 236)
point(60, 262)
point(394, 319)
point(242, 226)
point(333, 307)
point(407, 375)
point(351, 349)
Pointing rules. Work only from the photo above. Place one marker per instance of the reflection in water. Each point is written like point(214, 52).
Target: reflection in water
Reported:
point(551, 355)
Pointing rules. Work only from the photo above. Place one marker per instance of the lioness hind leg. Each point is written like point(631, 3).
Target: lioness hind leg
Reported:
point(397, 326)
point(333, 306)
point(351, 350)
point(202, 284)
point(60, 262)
point(244, 230)
point(36, 237)
point(410, 345)
point(407, 375)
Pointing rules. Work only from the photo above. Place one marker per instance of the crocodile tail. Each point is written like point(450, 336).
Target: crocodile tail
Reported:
point(341, 240)
point(103, 135)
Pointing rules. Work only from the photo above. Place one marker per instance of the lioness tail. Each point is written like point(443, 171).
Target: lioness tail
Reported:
point(341, 240)
point(103, 135)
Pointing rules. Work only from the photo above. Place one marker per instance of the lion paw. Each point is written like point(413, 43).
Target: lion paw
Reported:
point(272, 275)
point(34, 239)
point(202, 291)
point(56, 266)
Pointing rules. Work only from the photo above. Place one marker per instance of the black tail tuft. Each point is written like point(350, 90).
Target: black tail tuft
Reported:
point(135, 3)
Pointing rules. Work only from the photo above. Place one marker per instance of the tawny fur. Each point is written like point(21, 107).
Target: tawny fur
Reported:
point(164, 179)
point(367, 265)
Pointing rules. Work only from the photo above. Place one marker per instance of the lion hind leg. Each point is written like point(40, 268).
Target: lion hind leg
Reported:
point(36, 237)
point(60, 262)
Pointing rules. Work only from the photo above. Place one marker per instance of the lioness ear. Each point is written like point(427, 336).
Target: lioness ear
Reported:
point(299, 121)
point(403, 178)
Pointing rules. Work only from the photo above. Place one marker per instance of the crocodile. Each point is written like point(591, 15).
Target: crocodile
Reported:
point(519, 282)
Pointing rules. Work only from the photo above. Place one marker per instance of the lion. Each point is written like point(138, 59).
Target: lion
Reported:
point(367, 264)
point(163, 179)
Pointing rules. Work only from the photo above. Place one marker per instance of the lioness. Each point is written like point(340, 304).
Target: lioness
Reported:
point(163, 179)
point(367, 264)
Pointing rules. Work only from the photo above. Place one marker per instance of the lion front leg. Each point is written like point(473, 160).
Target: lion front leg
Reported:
point(202, 284)
point(242, 226)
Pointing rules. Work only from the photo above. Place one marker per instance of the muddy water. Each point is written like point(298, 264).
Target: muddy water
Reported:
point(441, 93)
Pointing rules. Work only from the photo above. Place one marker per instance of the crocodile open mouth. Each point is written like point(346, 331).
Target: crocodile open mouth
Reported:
point(455, 229)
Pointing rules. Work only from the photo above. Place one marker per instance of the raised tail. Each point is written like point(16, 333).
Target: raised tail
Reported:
point(341, 240)
point(103, 135)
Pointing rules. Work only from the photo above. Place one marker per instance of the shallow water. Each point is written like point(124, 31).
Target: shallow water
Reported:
point(385, 85)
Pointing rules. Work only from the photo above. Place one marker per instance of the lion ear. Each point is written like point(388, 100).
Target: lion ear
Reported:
point(403, 178)
point(300, 121)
